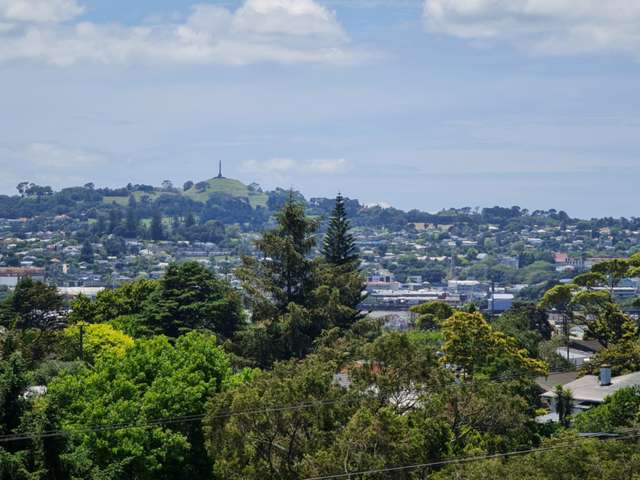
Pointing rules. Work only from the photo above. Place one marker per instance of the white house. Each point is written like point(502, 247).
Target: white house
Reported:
point(591, 390)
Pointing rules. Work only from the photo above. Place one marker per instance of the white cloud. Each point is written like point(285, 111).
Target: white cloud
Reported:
point(327, 166)
point(300, 18)
point(542, 26)
point(57, 156)
point(288, 166)
point(45, 163)
point(283, 31)
point(39, 11)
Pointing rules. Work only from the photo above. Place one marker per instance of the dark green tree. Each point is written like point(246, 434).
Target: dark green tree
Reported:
point(190, 297)
point(36, 305)
point(284, 272)
point(564, 404)
point(339, 247)
point(156, 230)
point(431, 314)
point(115, 219)
point(189, 220)
point(86, 252)
point(131, 222)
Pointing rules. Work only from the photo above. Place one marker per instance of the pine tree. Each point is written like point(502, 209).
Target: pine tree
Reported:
point(282, 287)
point(190, 220)
point(285, 274)
point(131, 223)
point(342, 270)
point(156, 231)
point(86, 252)
point(339, 246)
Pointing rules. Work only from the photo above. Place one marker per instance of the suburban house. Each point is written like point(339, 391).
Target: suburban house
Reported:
point(590, 390)
point(11, 276)
point(580, 351)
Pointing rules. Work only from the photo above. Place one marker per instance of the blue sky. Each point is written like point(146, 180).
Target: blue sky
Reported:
point(417, 104)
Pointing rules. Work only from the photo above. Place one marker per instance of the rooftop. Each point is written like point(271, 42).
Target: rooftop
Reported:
point(588, 388)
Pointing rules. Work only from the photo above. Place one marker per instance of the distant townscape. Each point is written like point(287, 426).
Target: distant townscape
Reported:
point(85, 239)
point(218, 330)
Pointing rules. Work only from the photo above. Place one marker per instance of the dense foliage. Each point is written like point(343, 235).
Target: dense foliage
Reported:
point(150, 380)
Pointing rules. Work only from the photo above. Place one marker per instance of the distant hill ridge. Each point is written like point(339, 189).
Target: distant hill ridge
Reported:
point(201, 191)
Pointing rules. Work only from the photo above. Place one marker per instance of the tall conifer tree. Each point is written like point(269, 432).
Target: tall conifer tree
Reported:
point(156, 230)
point(285, 274)
point(339, 246)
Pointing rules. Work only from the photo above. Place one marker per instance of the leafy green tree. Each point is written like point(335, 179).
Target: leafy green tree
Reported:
point(471, 344)
point(606, 321)
point(613, 270)
point(152, 380)
point(17, 460)
point(619, 410)
point(35, 306)
point(527, 323)
point(378, 438)
point(190, 297)
point(623, 357)
point(13, 382)
point(560, 298)
point(120, 306)
point(339, 247)
point(485, 416)
point(273, 442)
point(431, 314)
point(397, 365)
point(331, 422)
point(563, 457)
point(390, 405)
point(590, 280)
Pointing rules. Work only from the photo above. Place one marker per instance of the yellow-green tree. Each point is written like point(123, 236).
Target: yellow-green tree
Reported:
point(93, 341)
point(472, 345)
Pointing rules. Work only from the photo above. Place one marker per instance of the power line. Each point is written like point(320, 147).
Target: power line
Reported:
point(163, 421)
point(197, 417)
point(460, 460)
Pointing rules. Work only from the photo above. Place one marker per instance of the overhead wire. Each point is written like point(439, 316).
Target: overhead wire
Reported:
point(462, 460)
point(20, 436)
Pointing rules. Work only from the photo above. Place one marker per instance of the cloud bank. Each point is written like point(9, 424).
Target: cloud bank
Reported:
point(280, 31)
point(553, 27)
point(288, 166)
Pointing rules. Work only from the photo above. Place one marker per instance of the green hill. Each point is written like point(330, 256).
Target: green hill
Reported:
point(227, 186)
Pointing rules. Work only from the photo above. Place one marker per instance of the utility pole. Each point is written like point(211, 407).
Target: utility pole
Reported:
point(82, 342)
point(567, 332)
point(492, 299)
point(452, 267)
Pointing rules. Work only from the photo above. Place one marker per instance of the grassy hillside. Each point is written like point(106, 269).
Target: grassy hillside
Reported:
point(124, 201)
point(228, 186)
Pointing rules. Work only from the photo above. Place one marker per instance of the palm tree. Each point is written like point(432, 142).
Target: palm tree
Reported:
point(564, 404)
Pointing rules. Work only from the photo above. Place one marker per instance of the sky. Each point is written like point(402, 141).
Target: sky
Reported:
point(424, 104)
